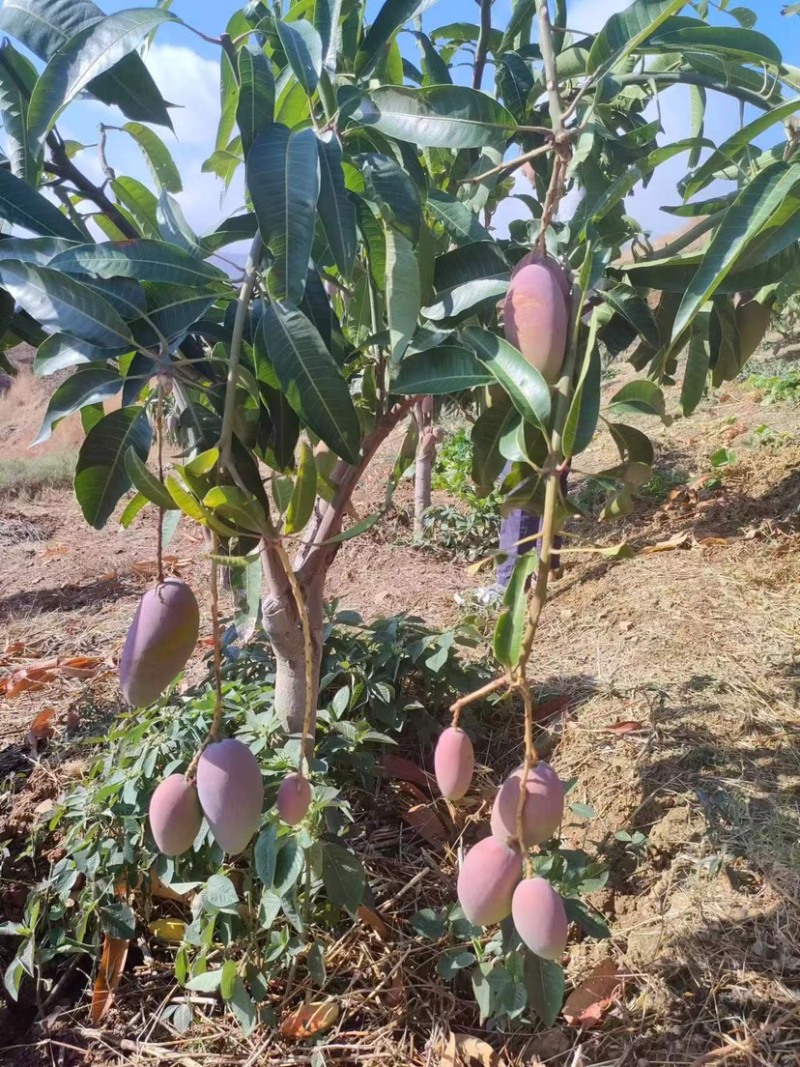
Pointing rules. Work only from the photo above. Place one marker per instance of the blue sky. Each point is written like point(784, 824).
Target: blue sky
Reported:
point(186, 69)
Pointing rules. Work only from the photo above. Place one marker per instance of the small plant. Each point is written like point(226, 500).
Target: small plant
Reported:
point(776, 388)
point(469, 531)
point(634, 844)
point(722, 457)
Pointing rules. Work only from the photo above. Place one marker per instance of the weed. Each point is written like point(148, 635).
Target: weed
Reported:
point(776, 388)
point(28, 476)
point(662, 481)
point(471, 531)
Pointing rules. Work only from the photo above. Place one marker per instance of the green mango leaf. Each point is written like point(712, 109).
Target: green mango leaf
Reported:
point(60, 351)
point(171, 309)
point(22, 206)
point(544, 982)
point(139, 202)
point(336, 210)
point(136, 504)
point(392, 15)
point(90, 385)
point(733, 147)
point(355, 530)
point(304, 494)
point(90, 53)
point(693, 35)
point(256, 103)
point(510, 625)
point(101, 479)
point(439, 372)
point(236, 228)
point(634, 308)
point(527, 389)
point(633, 445)
point(283, 181)
point(639, 397)
point(392, 192)
point(157, 156)
point(146, 482)
point(488, 431)
point(310, 379)
point(584, 409)
point(146, 260)
point(17, 79)
point(434, 69)
point(38, 250)
point(452, 304)
point(460, 223)
point(236, 506)
point(627, 30)
point(343, 876)
point(47, 26)
point(698, 355)
point(265, 855)
point(402, 291)
point(173, 227)
point(60, 303)
point(303, 47)
point(438, 116)
point(756, 203)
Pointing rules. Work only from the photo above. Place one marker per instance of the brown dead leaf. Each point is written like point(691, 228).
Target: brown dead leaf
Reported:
point(464, 1050)
point(55, 550)
point(405, 770)
point(309, 1019)
point(713, 542)
point(678, 540)
point(373, 920)
point(395, 994)
point(147, 567)
point(112, 964)
point(549, 708)
point(42, 728)
point(427, 823)
point(410, 790)
point(81, 666)
point(626, 726)
point(587, 1003)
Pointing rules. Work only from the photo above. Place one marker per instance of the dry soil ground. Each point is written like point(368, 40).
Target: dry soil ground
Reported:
point(678, 711)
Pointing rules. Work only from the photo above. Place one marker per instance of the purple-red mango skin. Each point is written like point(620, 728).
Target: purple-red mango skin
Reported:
point(161, 638)
point(487, 880)
point(536, 314)
point(175, 815)
point(231, 792)
point(544, 806)
point(453, 763)
point(294, 798)
point(540, 918)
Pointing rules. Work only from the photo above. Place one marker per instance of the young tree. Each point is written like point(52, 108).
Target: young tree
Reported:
point(374, 272)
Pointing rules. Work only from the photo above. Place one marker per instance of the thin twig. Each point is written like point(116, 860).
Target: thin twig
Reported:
point(511, 165)
point(160, 443)
point(478, 694)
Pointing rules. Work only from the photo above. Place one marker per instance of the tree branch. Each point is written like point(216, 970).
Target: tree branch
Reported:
point(64, 168)
point(346, 477)
point(482, 49)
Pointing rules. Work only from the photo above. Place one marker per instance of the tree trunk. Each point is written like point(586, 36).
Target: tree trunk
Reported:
point(426, 456)
point(285, 634)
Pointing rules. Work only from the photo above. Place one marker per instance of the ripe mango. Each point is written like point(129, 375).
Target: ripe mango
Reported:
point(536, 313)
point(160, 640)
point(544, 805)
point(453, 762)
point(540, 918)
point(487, 880)
point(175, 815)
point(231, 792)
point(294, 798)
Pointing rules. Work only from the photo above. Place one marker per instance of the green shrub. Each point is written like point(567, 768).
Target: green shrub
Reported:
point(23, 476)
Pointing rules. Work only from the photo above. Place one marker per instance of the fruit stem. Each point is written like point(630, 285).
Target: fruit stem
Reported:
point(160, 444)
point(478, 694)
point(216, 722)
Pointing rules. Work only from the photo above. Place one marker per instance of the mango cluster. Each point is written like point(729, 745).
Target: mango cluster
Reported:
point(229, 791)
point(490, 884)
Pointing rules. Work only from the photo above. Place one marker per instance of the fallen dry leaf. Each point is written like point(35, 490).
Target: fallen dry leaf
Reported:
point(372, 919)
point(55, 550)
point(309, 1019)
point(626, 726)
point(426, 822)
point(147, 567)
point(678, 540)
point(463, 1050)
point(112, 964)
point(588, 1002)
point(42, 728)
point(712, 542)
point(404, 770)
point(548, 708)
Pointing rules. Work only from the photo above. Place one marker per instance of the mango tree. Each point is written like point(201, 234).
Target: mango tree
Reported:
point(374, 278)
